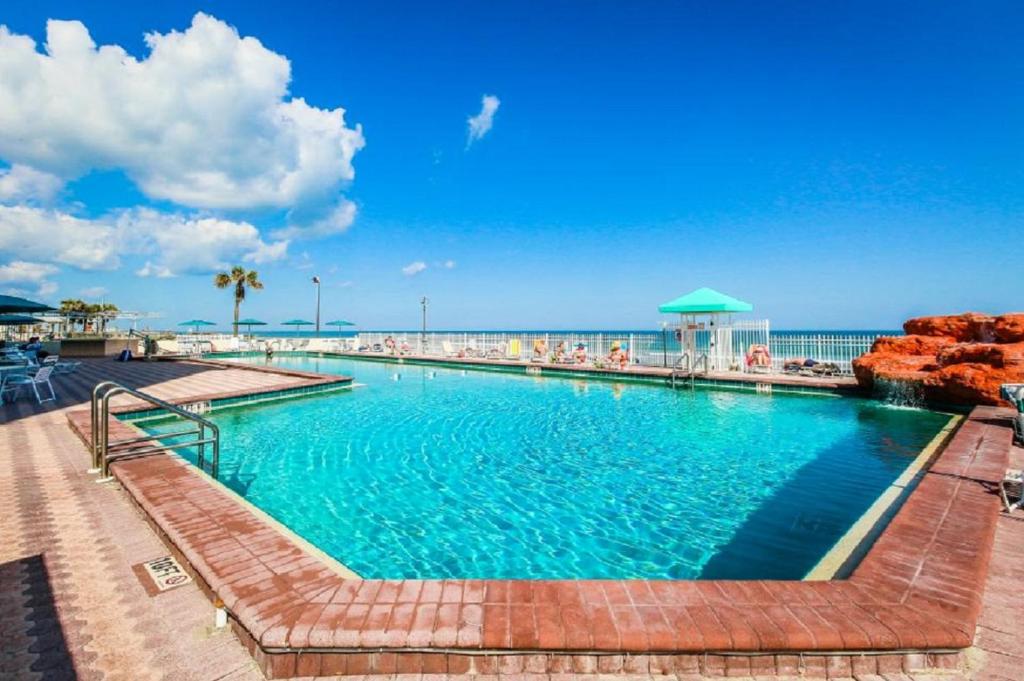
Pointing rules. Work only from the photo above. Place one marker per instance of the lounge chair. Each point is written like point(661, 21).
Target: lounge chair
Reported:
point(1014, 393)
point(1012, 486)
point(447, 349)
point(13, 384)
point(60, 367)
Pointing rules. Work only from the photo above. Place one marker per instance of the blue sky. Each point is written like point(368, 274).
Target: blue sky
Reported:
point(836, 166)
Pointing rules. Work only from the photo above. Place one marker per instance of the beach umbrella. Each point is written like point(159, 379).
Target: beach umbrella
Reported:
point(296, 323)
point(16, 304)
point(196, 323)
point(249, 322)
point(10, 320)
point(19, 320)
point(339, 323)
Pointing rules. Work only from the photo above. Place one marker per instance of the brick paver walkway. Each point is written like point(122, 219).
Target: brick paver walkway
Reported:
point(999, 651)
point(71, 606)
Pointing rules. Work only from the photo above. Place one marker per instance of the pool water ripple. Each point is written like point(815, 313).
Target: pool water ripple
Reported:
point(431, 473)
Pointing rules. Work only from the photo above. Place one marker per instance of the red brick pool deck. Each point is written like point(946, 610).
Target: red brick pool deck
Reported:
point(918, 603)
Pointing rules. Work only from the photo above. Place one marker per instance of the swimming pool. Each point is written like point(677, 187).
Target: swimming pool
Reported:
point(432, 472)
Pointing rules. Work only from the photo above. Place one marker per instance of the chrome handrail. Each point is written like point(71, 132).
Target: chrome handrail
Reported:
point(686, 367)
point(100, 435)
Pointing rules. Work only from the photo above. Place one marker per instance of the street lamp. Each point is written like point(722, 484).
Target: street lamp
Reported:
point(423, 336)
point(316, 280)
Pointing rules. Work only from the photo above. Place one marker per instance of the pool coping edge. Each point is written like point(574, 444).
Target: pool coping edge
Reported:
point(879, 580)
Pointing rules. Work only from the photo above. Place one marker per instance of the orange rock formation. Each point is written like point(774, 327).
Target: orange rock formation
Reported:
point(957, 359)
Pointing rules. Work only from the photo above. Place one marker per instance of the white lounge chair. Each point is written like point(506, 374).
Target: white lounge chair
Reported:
point(13, 384)
point(60, 367)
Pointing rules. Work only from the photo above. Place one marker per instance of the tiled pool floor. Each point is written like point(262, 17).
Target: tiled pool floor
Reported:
point(70, 604)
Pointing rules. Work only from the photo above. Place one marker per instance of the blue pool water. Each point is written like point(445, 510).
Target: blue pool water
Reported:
point(430, 472)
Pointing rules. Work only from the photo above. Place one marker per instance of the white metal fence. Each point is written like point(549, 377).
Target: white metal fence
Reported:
point(727, 348)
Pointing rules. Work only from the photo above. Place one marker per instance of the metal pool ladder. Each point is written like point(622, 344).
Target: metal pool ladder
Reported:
point(100, 433)
point(686, 368)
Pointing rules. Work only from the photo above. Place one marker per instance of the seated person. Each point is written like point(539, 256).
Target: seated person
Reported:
point(579, 355)
point(540, 350)
point(759, 357)
point(561, 353)
point(389, 345)
point(618, 355)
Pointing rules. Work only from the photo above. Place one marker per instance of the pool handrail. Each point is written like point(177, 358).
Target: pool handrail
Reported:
point(100, 433)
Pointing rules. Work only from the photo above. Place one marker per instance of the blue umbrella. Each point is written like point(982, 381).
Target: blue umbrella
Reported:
point(196, 323)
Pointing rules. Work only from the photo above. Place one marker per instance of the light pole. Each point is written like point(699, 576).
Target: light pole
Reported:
point(664, 344)
point(316, 280)
point(423, 336)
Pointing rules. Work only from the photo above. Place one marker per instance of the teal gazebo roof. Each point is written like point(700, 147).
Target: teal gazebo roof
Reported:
point(704, 301)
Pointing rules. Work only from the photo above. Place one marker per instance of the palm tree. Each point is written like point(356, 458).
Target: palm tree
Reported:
point(242, 280)
point(74, 310)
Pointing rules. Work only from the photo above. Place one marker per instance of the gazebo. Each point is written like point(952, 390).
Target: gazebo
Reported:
point(709, 332)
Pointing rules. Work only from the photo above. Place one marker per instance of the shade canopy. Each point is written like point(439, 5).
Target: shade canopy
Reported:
point(16, 304)
point(296, 322)
point(197, 322)
point(251, 322)
point(340, 322)
point(19, 320)
point(705, 301)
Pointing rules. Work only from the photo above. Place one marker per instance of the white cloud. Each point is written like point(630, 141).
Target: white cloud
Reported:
point(151, 270)
point(265, 252)
point(21, 183)
point(176, 244)
point(52, 236)
point(414, 268)
point(93, 292)
point(204, 120)
point(30, 274)
point(449, 264)
point(480, 124)
point(47, 288)
point(20, 271)
point(336, 220)
point(191, 245)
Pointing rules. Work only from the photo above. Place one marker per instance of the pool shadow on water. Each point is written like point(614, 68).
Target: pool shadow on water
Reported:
point(791, 531)
point(237, 482)
point(31, 627)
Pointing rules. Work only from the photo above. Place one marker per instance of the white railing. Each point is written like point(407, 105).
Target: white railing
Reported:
point(727, 347)
point(838, 349)
point(728, 353)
